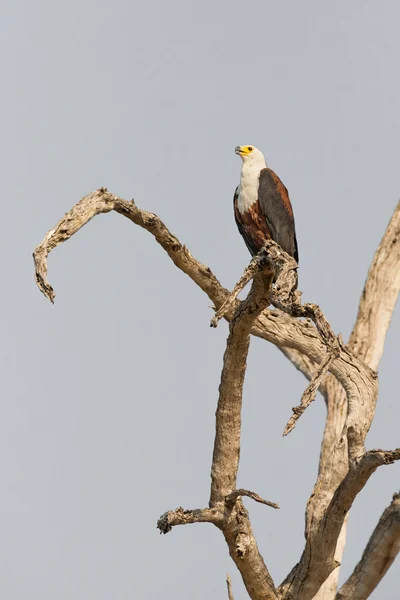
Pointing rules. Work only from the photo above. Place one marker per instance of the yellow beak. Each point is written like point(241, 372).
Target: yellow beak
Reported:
point(242, 150)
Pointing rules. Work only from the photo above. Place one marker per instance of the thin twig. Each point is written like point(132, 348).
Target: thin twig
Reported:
point(229, 586)
point(253, 267)
point(310, 392)
point(233, 496)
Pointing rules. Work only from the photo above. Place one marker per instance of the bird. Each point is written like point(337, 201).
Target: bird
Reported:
point(262, 206)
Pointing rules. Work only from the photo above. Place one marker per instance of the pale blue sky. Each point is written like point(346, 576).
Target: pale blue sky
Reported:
point(109, 396)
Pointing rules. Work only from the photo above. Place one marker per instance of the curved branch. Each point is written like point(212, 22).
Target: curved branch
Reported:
point(379, 297)
point(292, 336)
point(102, 201)
point(378, 556)
point(230, 500)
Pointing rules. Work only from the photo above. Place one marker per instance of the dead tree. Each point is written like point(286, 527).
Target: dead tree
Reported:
point(345, 374)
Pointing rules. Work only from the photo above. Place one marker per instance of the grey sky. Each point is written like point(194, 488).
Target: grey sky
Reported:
point(109, 396)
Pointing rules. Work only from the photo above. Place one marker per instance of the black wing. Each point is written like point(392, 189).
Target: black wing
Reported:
point(274, 201)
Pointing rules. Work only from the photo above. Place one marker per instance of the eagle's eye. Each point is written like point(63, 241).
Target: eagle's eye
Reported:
point(250, 148)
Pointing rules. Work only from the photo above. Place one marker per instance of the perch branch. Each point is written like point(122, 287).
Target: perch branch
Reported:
point(228, 416)
point(237, 528)
point(378, 556)
point(224, 497)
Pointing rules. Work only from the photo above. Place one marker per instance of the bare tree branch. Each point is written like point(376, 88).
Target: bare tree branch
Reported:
point(102, 201)
point(318, 559)
point(378, 556)
point(310, 392)
point(228, 416)
point(328, 589)
point(225, 499)
point(244, 552)
point(237, 529)
point(369, 334)
point(181, 516)
point(379, 297)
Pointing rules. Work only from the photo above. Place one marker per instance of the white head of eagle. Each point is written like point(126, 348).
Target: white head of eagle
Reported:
point(262, 205)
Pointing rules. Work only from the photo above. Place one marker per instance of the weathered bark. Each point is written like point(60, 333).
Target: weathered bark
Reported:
point(350, 390)
point(378, 556)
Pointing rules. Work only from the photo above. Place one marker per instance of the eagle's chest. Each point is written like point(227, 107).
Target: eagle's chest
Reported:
point(248, 191)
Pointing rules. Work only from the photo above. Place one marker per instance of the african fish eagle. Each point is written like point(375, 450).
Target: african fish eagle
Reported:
point(262, 206)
